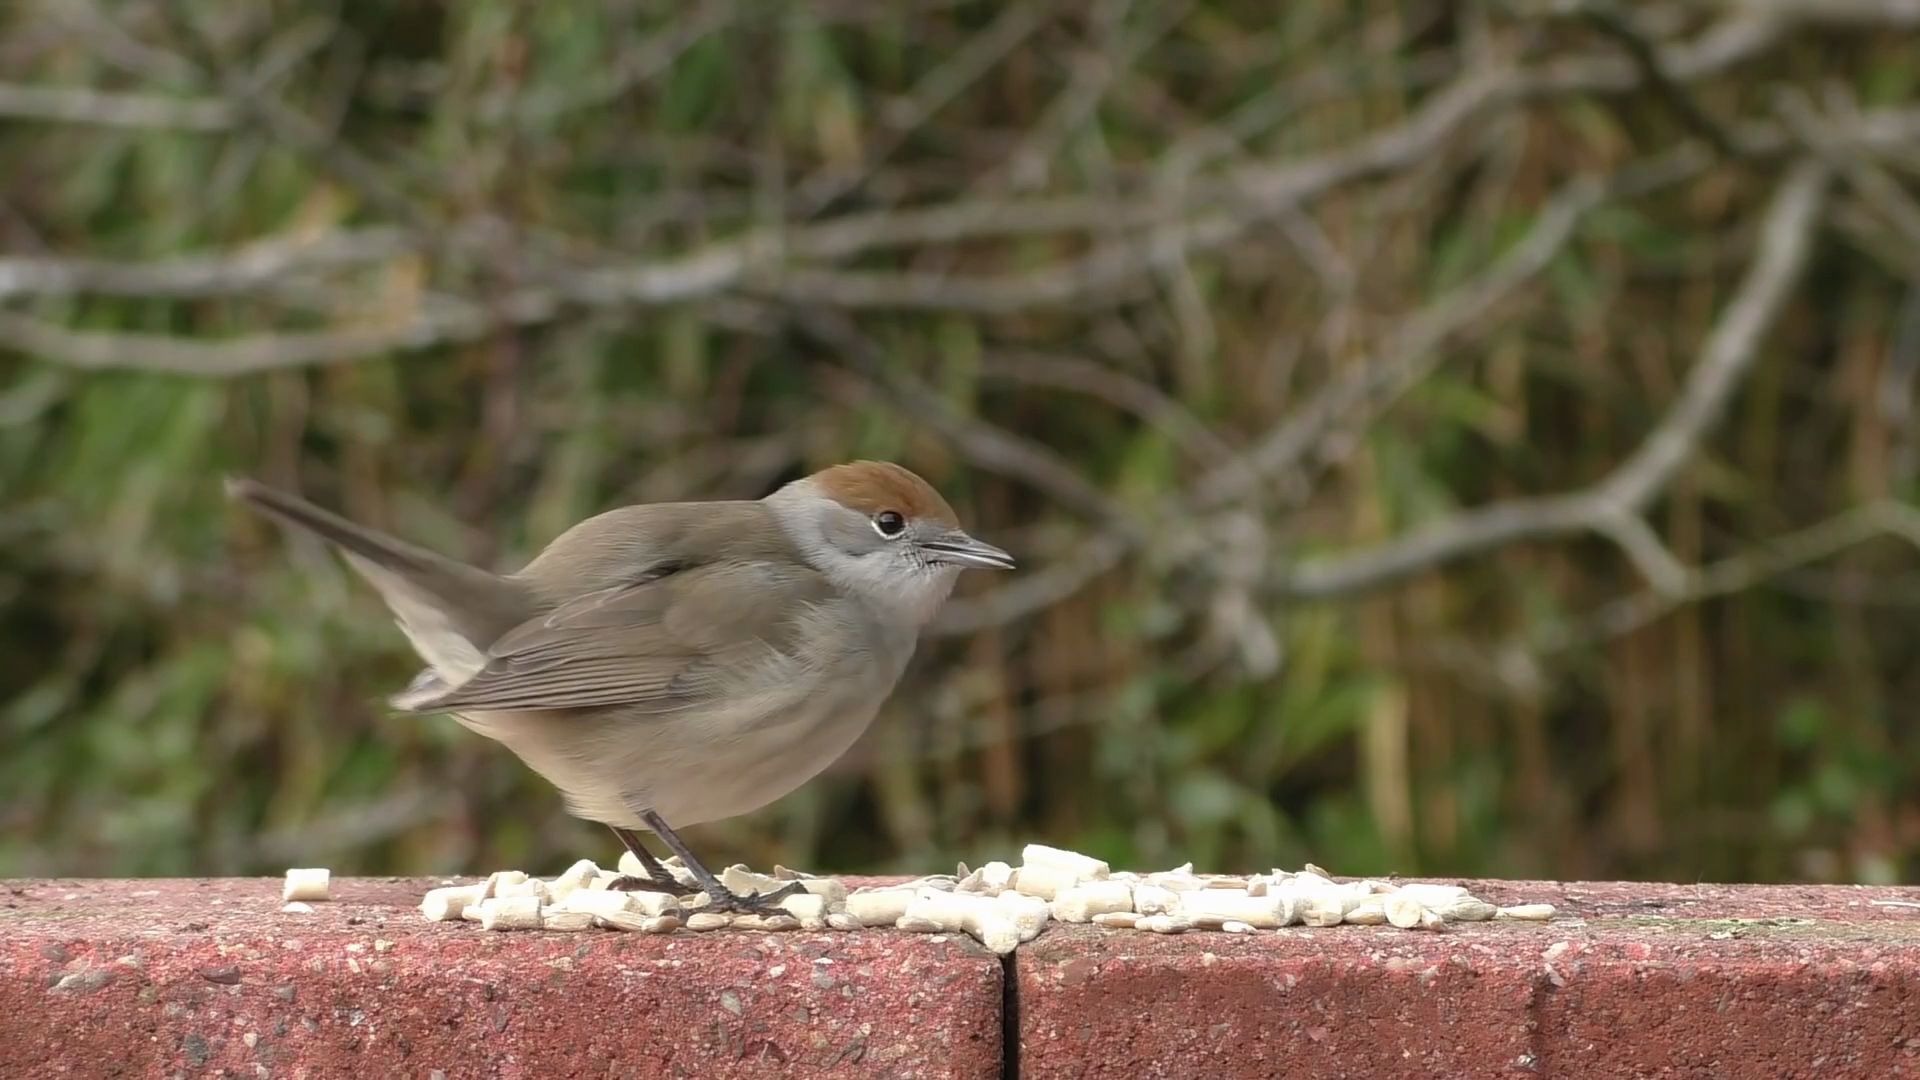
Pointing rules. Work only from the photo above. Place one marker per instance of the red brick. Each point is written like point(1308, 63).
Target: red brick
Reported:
point(1642, 981)
point(156, 978)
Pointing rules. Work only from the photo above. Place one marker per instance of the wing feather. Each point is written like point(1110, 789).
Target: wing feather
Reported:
point(661, 643)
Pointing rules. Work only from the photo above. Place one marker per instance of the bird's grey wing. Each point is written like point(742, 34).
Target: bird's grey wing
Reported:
point(660, 644)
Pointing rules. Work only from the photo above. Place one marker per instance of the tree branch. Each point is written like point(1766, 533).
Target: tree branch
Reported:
point(1253, 193)
point(80, 105)
point(1786, 240)
point(256, 266)
point(1737, 573)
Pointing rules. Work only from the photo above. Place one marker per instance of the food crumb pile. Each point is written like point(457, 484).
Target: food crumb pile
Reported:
point(998, 904)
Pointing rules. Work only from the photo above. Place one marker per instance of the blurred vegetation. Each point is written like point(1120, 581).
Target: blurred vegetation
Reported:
point(183, 689)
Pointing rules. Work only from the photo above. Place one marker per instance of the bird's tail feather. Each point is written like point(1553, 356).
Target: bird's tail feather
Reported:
point(450, 610)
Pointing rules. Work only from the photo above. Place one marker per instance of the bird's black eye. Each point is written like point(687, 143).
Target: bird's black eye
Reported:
point(889, 523)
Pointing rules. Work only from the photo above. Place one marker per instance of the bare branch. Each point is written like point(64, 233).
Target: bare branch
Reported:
point(1415, 345)
point(244, 355)
point(1738, 573)
point(79, 105)
point(1101, 275)
point(939, 86)
point(1888, 13)
point(1413, 349)
point(1863, 174)
point(242, 270)
point(1093, 74)
point(1786, 240)
point(632, 67)
point(1116, 388)
point(782, 262)
point(1645, 550)
point(1609, 19)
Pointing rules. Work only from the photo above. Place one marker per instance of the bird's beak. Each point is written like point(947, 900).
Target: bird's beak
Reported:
point(958, 549)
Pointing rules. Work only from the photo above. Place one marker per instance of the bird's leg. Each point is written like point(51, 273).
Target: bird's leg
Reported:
point(657, 879)
point(719, 897)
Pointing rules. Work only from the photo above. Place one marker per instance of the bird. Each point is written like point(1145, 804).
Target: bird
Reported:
point(668, 664)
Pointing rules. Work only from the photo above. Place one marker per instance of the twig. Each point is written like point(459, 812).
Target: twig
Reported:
point(1786, 240)
point(1895, 393)
point(245, 355)
point(632, 67)
point(1108, 270)
point(1415, 345)
point(1093, 74)
point(80, 105)
point(1737, 573)
point(256, 266)
point(254, 102)
point(1413, 349)
point(933, 92)
point(1116, 388)
point(1887, 13)
point(1888, 198)
point(1606, 17)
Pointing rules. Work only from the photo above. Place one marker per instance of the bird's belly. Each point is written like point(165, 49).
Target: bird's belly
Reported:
point(698, 764)
point(790, 749)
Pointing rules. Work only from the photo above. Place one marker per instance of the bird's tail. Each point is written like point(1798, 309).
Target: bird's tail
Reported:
point(377, 547)
point(451, 611)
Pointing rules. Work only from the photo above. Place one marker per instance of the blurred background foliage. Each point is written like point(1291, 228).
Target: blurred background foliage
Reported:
point(1196, 306)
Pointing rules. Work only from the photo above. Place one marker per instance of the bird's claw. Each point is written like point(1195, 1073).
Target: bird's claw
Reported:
point(630, 883)
point(767, 903)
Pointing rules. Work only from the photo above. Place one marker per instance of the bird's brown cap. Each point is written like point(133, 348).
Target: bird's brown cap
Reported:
point(872, 486)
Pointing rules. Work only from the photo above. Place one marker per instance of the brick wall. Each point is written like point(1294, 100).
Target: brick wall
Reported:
point(210, 978)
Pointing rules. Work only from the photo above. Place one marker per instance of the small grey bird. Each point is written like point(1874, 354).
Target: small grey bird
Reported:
point(676, 662)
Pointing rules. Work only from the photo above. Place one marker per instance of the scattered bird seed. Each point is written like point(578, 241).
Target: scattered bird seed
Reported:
point(998, 904)
point(1045, 882)
point(580, 875)
point(879, 907)
point(553, 918)
point(510, 913)
point(1371, 911)
point(306, 884)
point(985, 918)
point(1213, 907)
point(1085, 867)
point(1404, 911)
point(764, 922)
point(1080, 903)
point(450, 902)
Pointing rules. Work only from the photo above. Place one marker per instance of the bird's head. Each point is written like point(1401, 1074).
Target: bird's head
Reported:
point(884, 534)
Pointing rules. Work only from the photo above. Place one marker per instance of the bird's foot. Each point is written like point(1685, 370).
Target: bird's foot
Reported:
point(629, 883)
point(723, 899)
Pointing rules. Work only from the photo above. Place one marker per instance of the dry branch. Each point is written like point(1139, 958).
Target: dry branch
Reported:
point(1786, 240)
point(785, 262)
point(145, 112)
